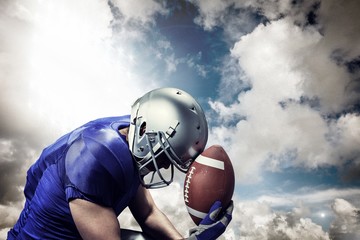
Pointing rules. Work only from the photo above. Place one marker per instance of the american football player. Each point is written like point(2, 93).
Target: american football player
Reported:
point(82, 182)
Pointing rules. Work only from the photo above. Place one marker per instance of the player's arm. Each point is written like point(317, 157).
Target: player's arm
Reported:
point(150, 218)
point(94, 221)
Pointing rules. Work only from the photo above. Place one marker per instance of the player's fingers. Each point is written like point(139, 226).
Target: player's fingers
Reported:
point(216, 205)
point(215, 210)
point(226, 219)
point(230, 208)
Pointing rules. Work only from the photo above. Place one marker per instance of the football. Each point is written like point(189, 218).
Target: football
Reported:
point(209, 178)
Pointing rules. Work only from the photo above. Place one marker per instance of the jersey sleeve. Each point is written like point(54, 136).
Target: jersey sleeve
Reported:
point(93, 170)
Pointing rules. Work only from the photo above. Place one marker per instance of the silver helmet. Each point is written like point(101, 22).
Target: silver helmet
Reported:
point(168, 128)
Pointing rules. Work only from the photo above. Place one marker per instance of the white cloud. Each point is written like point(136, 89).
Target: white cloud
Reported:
point(268, 129)
point(290, 62)
point(255, 220)
point(286, 67)
point(346, 136)
point(8, 215)
point(140, 10)
point(339, 28)
point(3, 233)
point(210, 12)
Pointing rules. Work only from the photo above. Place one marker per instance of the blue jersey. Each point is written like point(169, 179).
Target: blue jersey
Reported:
point(93, 163)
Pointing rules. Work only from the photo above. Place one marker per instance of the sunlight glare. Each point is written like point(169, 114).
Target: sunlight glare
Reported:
point(76, 74)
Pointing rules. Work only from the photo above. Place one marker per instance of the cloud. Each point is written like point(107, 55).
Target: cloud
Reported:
point(341, 27)
point(309, 197)
point(346, 225)
point(337, 23)
point(134, 20)
point(258, 219)
point(234, 17)
point(255, 220)
point(210, 12)
point(290, 89)
point(15, 158)
point(8, 215)
point(140, 10)
point(272, 80)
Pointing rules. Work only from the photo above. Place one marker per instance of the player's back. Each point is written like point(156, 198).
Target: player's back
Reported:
point(45, 198)
point(48, 157)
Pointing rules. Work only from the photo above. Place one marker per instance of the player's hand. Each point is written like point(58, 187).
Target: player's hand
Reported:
point(214, 224)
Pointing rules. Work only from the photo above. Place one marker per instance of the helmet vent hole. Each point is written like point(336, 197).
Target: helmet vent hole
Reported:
point(142, 129)
point(178, 93)
point(198, 127)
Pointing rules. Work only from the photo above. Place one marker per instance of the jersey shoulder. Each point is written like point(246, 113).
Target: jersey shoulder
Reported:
point(98, 162)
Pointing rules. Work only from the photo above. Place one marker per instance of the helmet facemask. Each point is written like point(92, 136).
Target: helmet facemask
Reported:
point(159, 159)
point(156, 162)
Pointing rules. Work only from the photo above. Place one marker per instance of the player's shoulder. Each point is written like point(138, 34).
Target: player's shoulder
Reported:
point(109, 122)
point(101, 140)
point(99, 155)
point(105, 130)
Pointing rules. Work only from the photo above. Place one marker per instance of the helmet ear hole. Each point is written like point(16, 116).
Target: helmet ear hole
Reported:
point(142, 129)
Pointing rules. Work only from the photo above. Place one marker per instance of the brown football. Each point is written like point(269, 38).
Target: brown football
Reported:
point(210, 178)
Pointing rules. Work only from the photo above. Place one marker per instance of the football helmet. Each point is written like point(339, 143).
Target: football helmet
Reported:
point(168, 128)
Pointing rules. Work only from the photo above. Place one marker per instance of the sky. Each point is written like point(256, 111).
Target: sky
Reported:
point(279, 82)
